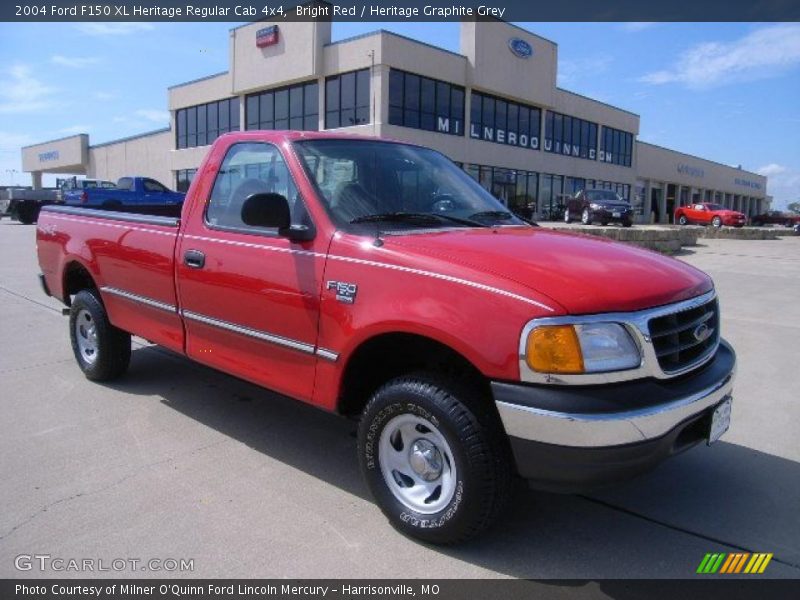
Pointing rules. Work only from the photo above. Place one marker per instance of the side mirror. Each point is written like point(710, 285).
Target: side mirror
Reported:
point(272, 211)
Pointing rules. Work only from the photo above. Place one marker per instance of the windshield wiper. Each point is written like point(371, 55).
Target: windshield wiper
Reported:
point(499, 215)
point(431, 218)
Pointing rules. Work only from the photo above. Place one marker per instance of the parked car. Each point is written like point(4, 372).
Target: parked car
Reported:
point(378, 280)
point(776, 217)
point(706, 213)
point(796, 229)
point(131, 194)
point(603, 206)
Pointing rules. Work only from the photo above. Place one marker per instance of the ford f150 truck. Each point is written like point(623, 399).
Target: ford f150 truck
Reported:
point(376, 279)
point(131, 194)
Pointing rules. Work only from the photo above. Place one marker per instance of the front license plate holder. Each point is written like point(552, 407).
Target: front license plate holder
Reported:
point(720, 420)
point(616, 214)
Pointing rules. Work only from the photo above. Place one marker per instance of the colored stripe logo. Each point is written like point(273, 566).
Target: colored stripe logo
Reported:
point(733, 563)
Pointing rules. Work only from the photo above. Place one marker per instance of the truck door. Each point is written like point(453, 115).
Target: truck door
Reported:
point(155, 196)
point(249, 297)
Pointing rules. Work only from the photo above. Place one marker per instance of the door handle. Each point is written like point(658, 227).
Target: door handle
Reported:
point(194, 259)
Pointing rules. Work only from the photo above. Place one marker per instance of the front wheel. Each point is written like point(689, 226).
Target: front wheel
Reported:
point(439, 470)
point(682, 220)
point(586, 217)
point(567, 217)
point(716, 222)
point(103, 352)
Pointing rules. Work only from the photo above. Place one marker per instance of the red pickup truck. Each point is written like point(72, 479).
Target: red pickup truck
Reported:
point(376, 279)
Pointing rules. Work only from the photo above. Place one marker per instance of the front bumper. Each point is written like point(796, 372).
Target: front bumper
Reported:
point(603, 214)
point(569, 438)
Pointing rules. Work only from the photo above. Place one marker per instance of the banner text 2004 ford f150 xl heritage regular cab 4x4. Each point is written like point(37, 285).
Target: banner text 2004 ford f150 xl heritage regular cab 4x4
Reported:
point(378, 280)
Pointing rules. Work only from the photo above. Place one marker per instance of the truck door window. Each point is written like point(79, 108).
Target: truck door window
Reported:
point(251, 168)
point(150, 185)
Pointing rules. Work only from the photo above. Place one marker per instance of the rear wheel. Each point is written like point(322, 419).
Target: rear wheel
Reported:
point(682, 220)
point(567, 217)
point(437, 465)
point(627, 223)
point(103, 352)
point(586, 217)
point(716, 222)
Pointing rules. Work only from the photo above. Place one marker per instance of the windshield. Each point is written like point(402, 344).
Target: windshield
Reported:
point(397, 185)
point(600, 195)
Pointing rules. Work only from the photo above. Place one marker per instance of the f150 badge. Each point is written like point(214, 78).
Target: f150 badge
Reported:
point(345, 292)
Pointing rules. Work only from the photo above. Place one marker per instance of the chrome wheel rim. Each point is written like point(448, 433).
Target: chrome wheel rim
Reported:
point(417, 464)
point(585, 217)
point(86, 336)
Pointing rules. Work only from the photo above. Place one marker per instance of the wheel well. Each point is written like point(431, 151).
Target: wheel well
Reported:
point(386, 356)
point(76, 278)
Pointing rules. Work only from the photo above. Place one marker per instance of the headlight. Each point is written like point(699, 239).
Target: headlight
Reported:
point(595, 206)
point(584, 348)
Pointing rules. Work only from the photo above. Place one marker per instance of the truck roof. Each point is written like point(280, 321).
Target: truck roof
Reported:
point(279, 135)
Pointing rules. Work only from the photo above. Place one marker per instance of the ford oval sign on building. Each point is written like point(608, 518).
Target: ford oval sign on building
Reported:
point(520, 48)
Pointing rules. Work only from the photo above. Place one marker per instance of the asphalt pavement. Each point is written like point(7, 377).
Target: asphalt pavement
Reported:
point(177, 461)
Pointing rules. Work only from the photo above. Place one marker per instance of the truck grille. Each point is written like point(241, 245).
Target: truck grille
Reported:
point(685, 338)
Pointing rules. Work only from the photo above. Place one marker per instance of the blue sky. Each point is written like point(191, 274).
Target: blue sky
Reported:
point(729, 92)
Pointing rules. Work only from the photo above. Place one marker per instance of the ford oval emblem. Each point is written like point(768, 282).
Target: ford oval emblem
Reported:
point(702, 332)
point(520, 48)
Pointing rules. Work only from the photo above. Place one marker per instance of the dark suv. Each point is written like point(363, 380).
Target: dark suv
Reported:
point(605, 206)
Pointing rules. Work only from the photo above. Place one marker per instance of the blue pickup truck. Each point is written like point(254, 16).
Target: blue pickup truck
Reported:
point(131, 194)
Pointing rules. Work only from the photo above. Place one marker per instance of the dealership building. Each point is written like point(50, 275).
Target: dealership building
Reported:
point(494, 108)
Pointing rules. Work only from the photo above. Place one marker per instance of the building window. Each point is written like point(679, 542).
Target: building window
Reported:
point(517, 189)
point(292, 107)
point(496, 120)
point(347, 99)
point(183, 179)
point(570, 136)
point(423, 103)
point(202, 124)
point(616, 147)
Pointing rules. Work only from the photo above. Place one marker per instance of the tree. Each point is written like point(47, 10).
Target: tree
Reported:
point(794, 207)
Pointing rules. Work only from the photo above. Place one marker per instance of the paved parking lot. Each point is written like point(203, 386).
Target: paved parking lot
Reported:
point(179, 461)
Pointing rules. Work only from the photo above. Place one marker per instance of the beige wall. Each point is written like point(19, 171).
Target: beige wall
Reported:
point(201, 91)
point(494, 68)
point(65, 155)
point(297, 55)
point(147, 156)
point(664, 165)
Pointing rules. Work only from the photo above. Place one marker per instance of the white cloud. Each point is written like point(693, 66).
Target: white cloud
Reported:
point(74, 62)
point(22, 92)
point(783, 184)
point(761, 53)
point(113, 29)
point(104, 96)
point(154, 115)
point(771, 170)
point(636, 26)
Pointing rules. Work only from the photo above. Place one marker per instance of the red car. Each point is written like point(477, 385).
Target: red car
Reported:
point(377, 280)
point(709, 214)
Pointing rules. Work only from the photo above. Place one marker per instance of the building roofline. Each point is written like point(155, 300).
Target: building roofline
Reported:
point(521, 28)
point(560, 89)
point(638, 141)
point(190, 82)
point(66, 137)
point(397, 35)
point(131, 137)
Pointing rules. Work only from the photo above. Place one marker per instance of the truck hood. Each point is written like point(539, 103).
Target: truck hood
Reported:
point(581, 273)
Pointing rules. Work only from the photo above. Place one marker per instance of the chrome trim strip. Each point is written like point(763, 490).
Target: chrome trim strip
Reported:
point(140, 299)
point(637, 324)
point(327, 354)
point(253, 333)
point(66, 209)
point(608, 429)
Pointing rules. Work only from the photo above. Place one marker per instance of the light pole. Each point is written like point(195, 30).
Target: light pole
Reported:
point(11, 173)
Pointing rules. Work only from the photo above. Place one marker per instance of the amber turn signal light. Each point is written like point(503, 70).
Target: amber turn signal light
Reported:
point(554, 349)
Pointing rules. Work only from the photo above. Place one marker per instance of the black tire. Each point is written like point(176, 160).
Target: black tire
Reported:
point(603, 223)
point(627, 223)
point(586, 217)
point(112, 352)
point(716, 222)
point(474, 442)
point(682, 220)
